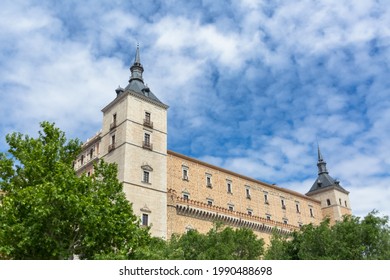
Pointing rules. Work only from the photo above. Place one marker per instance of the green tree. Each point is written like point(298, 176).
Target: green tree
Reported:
point(48, 212)
point(350, 239)
point(220, 243)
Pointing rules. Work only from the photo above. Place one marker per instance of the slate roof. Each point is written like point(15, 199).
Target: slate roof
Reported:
point(324, 181)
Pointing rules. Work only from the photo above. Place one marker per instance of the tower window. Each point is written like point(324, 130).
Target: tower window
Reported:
point(145, 220)
point(146, 143)
point(345, 202)
point(147, 120)
point(146, 177)
point(328, 202)
point(266, 198)
point(340, 201)
point(90, 154)
point(311, 212)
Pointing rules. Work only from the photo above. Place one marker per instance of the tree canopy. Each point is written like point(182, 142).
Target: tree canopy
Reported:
point(352, 238)
point(219, 243)
point(48, 212)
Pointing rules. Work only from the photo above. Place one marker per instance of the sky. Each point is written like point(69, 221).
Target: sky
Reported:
point(253, 86)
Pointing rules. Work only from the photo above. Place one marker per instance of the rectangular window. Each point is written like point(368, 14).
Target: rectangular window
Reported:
point(113, 124)
point(82, 160)
point(145, 220)
point(208, 181)
point(146, 177)
point(328, 202)
point(231, 207)
point(266, 198)
point(250, 212)
point(229, 186)
point(268, 217)
point(285, 221)
point(297, 207)
point(340, 201)
point(283, 203)
point(209, 202)
point(345, 202)
point(90, 154)
point(147, 143)
point(185, 173)
point(186, 196)
point(147, 120)
point(311, 212)
point(248, 193)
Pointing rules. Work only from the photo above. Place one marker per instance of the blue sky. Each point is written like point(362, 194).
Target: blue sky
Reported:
point(252, 85)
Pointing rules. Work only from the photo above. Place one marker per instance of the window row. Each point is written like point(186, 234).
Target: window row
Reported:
point(230, 206)
point(328, 203)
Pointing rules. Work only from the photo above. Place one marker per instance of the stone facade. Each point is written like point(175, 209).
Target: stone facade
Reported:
point(173, 193)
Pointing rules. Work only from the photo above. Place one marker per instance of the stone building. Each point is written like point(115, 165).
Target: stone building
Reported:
point(173, 193)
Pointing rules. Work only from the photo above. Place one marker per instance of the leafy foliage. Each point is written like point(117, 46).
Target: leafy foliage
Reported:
point(220, 243)
point(49, 212)
point(349, 239)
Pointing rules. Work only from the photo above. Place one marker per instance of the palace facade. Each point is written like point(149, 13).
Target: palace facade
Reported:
point(173, 193)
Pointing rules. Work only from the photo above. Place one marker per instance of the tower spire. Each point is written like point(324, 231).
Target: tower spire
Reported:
point(136, 69)
point(321, 163)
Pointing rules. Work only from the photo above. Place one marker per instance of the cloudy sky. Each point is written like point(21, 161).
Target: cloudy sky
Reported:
point(252, 85)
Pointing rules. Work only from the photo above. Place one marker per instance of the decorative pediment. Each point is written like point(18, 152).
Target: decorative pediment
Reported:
point(145, 209)
point(147, 167)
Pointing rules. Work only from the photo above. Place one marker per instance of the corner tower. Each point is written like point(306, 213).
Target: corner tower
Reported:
point(134, 135)
point(334, 198)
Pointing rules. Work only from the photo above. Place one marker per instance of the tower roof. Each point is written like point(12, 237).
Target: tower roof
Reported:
point(136, 82)
point(324, 181)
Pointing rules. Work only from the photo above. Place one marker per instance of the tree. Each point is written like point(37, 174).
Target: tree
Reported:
point(350, 239)
point(220, 243)
point(48, 212)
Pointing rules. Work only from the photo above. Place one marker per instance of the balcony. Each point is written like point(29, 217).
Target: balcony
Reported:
point(111, 147)
point(147, 145)
point(112, 125)
point(148, 123)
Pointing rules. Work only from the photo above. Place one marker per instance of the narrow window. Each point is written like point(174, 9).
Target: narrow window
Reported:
point(268, 217)
point(185, 173)
point(90, 154)
point(345, 202)
point(145, 220)
point(113, 139)
point(146, 143)
point(208, 181)
point(229, 186)
point(311, 212)
point(283, 204)
point(266, 198)
point(297, 207)
point(248, 193)
point(147, 117)
point(328, 202)
point(146, 177)
point(113, 124)
point(82, 159)
point(340, 201)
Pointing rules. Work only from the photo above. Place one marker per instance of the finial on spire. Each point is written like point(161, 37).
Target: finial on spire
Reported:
point(137, 59)
point(321, 163)
point(136, 69)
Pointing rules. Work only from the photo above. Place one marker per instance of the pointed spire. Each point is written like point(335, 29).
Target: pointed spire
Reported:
point(136, 69)
point(321, 163)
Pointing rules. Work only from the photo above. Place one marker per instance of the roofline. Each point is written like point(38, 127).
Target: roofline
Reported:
point(169, 152)
point(133, 93)
point(327, 189)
